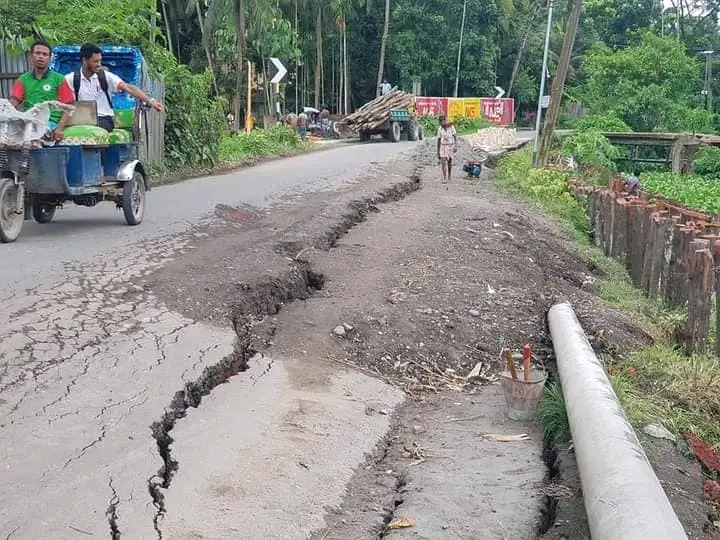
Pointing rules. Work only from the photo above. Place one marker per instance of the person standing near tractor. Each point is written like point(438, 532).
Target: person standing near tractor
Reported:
point(446, 148)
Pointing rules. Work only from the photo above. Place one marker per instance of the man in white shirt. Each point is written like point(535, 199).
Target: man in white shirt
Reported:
point(95, 83)
point(385, 87)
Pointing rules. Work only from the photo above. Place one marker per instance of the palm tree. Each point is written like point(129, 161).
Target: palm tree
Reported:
point(320, 6)
point(383, 46)
point(215, 17)
point(342, 8)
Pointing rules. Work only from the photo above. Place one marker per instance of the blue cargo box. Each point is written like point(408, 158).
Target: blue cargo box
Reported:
point(48, 170)
point(117, 154)
point(84, 166)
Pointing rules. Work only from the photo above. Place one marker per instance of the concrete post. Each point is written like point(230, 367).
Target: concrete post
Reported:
point(623, 498)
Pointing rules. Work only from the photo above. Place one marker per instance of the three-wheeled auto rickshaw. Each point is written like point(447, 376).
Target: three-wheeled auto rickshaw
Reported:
point(90, 165)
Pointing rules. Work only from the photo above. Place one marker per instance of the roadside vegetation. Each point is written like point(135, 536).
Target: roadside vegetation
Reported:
point(658, 384)
point(275, 141)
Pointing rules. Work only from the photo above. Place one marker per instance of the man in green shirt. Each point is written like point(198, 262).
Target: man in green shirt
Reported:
point(42, 84)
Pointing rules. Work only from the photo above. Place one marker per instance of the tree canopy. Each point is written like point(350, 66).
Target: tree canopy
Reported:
point(633, 59)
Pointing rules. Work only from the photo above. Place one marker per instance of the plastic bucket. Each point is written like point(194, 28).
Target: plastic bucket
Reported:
point(522, 397)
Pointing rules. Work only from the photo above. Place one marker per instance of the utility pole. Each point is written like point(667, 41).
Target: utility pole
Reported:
point(543, 77)
point(462, 31)
point(707, 89)
point(558, 85)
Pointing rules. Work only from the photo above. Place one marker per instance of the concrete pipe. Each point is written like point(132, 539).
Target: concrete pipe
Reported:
point(623, 498)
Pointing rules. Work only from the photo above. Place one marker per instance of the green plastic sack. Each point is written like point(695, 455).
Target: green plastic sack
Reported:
point(124, 118)
point(80, 135)
point(118, 136)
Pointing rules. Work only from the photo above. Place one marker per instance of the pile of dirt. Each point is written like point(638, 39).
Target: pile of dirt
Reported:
point(478, 273)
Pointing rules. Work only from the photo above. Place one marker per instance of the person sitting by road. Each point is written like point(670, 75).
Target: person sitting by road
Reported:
point(632, 184)
point(42, 84)
point(95, 83)
point(302, 124)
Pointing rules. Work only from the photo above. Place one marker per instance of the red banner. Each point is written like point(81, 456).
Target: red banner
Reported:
point(431, 106)
point(498, 111)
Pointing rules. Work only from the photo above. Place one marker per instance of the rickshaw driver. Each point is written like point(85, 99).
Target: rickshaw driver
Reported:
point(95, 83)
point(42, 84)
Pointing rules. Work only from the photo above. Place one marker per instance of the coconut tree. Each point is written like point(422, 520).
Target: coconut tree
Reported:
point(342, 8)
point(383, 46)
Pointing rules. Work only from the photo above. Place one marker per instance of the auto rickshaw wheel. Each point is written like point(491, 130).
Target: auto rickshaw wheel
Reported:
point(11, 221)
point(43, 212)
point(134, 199)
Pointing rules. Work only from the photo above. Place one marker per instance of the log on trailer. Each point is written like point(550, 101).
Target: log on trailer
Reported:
point(375, 113)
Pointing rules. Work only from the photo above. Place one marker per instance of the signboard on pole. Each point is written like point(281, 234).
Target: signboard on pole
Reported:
point(276, 70)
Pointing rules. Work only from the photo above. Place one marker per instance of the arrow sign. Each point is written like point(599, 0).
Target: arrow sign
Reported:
point(276, 70)
point(500, 92)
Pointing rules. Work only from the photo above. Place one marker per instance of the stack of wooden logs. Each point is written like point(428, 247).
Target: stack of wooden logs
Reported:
point(375, 113)
point(671, 253)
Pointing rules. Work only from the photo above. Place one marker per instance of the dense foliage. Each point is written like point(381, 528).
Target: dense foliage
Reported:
point(707, 162)
point(194, 125)
point(277, 140)
point(652, 86)
point(635, 63)
point(547, 188)
point(693, 191)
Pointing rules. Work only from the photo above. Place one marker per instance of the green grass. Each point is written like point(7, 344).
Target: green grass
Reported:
point(680, 391)
point(275, 141)
point(238, 149)
point(691, 190)
point(656, 384)
point(553, 415)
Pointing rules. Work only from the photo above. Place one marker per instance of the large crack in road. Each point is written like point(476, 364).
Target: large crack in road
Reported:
point(258, 301)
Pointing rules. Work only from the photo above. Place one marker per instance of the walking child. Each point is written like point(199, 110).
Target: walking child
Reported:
point(446, 147)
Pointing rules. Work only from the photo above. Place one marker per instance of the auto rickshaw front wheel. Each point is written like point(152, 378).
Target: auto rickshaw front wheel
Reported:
point(133, 203)
point(43, 212)
point(11, 220)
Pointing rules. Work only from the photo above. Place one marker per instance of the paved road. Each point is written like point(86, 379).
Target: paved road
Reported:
point(88, 360)
point(85, 234)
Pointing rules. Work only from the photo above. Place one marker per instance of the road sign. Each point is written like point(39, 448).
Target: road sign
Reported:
point(500, 92)
point(276, 70)
point(545, 102)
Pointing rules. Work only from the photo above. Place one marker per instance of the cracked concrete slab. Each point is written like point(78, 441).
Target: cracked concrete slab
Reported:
point(289, 448)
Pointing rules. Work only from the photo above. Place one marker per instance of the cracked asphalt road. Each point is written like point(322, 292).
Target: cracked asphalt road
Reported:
point(89, 359)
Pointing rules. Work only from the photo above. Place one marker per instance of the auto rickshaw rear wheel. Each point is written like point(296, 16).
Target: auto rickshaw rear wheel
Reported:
point(43, 212)
point(11, 221)
point(134, 199)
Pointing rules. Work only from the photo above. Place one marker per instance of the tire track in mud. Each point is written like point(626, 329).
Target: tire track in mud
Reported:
point(257, 302)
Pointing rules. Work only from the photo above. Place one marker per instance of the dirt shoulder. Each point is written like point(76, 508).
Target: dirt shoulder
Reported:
point(416, 292)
